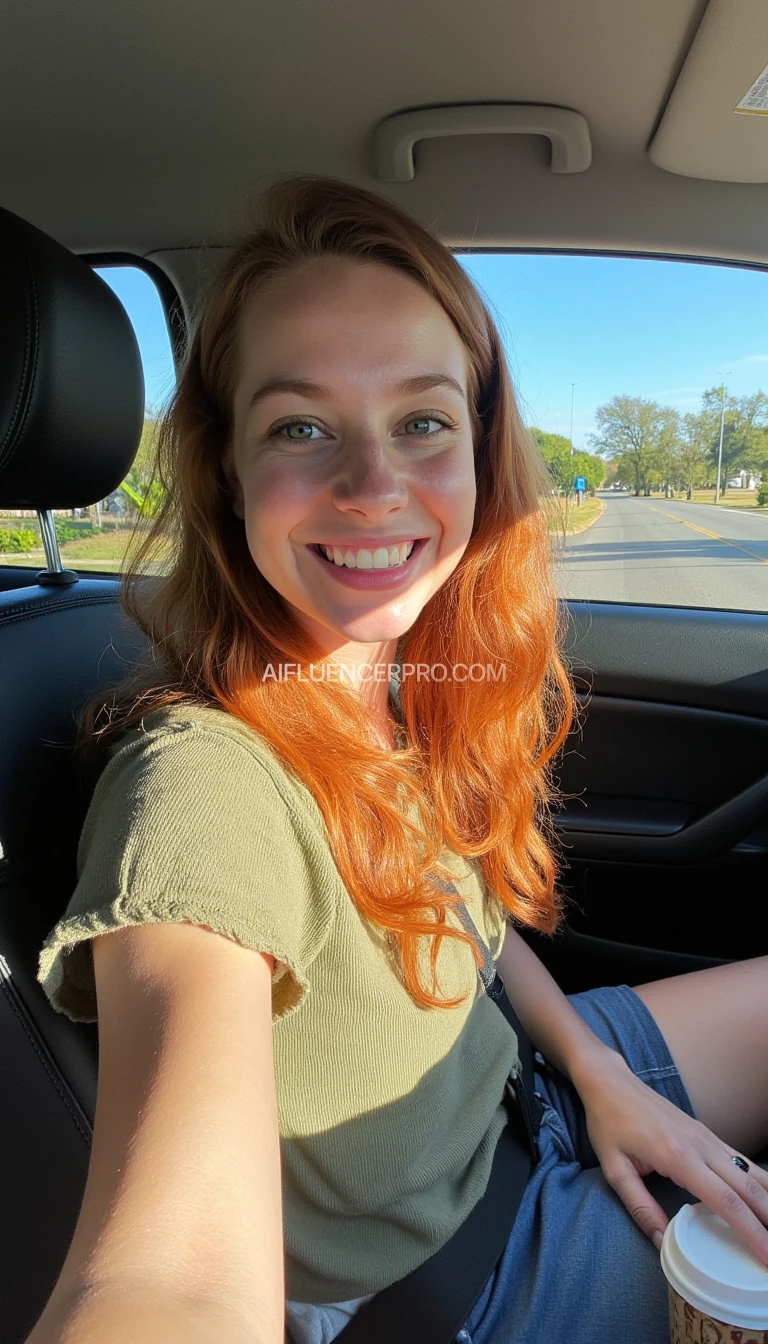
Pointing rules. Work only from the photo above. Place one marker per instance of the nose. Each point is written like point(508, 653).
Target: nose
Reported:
point(369, 480)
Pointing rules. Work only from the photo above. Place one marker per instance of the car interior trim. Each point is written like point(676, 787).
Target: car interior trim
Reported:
point(702, 133)
point(395, 137)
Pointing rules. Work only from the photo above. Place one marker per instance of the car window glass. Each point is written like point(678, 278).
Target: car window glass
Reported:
point(627, 370)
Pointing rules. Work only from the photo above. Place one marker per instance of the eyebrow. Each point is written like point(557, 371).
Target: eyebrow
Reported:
point(423, 382)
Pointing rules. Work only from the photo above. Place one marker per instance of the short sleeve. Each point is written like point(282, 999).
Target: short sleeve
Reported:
point(192, 822)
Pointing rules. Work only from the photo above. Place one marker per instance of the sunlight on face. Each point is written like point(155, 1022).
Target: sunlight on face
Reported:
point(363, 462)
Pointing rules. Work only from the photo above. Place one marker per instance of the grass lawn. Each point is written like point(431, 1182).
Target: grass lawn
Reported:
point(36, 560)
point(575, 519)
point(729, 499)
point(103, 552)
point(103, 546)
point(103, 565)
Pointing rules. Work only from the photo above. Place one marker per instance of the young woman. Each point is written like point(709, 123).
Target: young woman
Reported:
point(353, 703)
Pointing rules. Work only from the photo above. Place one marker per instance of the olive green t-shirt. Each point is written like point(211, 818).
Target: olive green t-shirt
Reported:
point(389, 1113)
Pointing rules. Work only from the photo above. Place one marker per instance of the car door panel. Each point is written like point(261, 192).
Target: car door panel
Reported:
point(664, 823)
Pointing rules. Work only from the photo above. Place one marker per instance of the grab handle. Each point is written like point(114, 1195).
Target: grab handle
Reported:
point(395, 137)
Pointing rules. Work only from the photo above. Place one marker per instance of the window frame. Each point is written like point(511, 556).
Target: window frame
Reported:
point(620, 253)
point(170, 299)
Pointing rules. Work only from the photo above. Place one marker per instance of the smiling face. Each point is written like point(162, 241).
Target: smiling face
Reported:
point(352, 431)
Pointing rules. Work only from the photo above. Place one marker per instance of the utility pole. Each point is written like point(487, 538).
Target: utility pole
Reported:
point(722, 427)
point(573, 393)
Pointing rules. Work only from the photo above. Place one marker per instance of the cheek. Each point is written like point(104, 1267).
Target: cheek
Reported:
point(276, 498)
point(453, 491)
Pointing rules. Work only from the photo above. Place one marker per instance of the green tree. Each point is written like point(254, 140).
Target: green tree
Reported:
point(664, 468)
point(640, 437)
point(692, 464)
point(612, 473)
point(745, 431)
point(20, 541)
point(590, 467)
point(556, 453)
point(140, 486)
point(564, 465)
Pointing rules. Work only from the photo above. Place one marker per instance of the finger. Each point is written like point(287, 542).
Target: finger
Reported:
point(758, 1173)
point(636, 1197)
point(752, 1185)
point(727, 1195)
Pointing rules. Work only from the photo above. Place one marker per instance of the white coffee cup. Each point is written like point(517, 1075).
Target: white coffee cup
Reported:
point(715, 1281)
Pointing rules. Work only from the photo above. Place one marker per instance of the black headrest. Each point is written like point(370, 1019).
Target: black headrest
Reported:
point(71, 381)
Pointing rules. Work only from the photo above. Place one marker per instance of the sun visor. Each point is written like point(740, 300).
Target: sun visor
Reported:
point(716, 122)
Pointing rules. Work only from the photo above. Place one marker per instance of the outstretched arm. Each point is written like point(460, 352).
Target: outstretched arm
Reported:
point(180, 1236)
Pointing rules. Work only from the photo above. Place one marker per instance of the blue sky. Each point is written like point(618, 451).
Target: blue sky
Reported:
point(142, 301)
point(653, 329)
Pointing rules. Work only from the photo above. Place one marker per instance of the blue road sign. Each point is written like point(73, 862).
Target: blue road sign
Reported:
point(580, 483)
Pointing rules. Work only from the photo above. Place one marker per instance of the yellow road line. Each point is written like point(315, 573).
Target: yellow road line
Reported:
point(754, 555)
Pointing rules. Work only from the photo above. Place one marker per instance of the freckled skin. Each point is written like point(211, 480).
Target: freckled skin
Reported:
point(357, 330)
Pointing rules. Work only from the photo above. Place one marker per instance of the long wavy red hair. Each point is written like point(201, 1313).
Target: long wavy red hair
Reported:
point(476, 756)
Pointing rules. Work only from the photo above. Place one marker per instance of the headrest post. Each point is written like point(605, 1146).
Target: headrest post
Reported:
point(55, 573)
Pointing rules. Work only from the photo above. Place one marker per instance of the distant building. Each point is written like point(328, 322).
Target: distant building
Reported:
point(746, 480)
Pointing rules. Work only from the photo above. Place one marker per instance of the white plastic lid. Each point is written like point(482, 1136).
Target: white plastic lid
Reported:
point(711, 1267)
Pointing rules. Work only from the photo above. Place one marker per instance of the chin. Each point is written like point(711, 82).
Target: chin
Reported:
point(374, 634)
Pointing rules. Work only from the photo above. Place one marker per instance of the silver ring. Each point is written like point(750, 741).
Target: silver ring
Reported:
point(740, 1163)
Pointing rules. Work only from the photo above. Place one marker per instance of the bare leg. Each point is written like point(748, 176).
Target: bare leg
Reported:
point(715, 1023)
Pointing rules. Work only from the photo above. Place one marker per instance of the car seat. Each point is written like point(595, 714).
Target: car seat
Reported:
point(71, 414)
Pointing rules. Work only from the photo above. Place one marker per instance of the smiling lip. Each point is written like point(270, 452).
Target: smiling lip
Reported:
point(371, 578)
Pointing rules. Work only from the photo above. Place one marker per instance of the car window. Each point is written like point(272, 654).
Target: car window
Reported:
point(94, 538)
point(627, 370)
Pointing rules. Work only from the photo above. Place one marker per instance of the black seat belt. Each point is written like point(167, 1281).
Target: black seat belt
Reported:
point(430, 1305)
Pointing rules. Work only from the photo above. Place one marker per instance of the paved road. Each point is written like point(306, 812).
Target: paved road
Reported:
point(667, 551)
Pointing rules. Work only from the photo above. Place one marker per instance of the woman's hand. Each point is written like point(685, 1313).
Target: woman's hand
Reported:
point(634, 1132)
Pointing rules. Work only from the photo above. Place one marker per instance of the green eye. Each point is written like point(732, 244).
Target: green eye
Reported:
point(423, 422)
point(304, 431)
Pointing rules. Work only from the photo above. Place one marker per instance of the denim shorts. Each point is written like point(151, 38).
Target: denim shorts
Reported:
point(576, 1267)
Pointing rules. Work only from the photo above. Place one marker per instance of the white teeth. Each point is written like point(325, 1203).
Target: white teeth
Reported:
point(382, 558)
